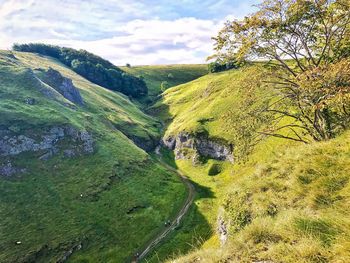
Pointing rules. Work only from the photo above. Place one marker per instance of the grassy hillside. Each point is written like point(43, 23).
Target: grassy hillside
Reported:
point(203, 106)
point(293, 208)
point(198, 108)
point(173, 74)
point(288, 203)
point(110, 201)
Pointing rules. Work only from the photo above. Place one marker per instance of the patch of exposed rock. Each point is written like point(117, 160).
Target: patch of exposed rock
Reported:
point(64, 86)
point(222, 229)
point(9, 170)
point(80, 142)
point(66, 255)
point(182, 143)
point(13, 145)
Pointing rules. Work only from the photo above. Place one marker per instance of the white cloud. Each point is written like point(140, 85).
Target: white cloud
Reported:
point(122, 31)
point(186, 40)
point(8, 7)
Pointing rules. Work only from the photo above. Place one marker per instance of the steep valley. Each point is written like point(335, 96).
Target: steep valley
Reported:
point(80, 181)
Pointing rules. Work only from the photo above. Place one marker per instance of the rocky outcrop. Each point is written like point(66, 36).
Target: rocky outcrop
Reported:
point(64, 86)
point(185, 145)
point(9, 170)
point(80, 142)
point(222, 229)
point(14, 145)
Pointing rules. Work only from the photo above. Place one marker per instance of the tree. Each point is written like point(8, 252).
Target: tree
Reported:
point(306, 43)
point(164, 86)
point(219, 65)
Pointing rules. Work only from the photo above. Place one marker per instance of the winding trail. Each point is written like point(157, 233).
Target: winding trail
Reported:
point(191, 194)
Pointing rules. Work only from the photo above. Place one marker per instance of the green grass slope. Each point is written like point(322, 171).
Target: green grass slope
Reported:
point(198, 107)
point(288, 203)
point(293, 208)
point(155, 75)
point(87, 199)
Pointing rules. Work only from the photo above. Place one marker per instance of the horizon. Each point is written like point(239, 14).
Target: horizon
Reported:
point(138, 33)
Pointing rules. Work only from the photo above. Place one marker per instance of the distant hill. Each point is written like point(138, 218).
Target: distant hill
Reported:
point(172, 74)
point(91, 67)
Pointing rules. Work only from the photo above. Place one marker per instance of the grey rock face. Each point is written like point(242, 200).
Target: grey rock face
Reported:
point(18, 144)
point(214, 150)
point(84, 137)
point(66, 255)
point(222, 230)
point(64, 86)
point(169, 142)
point(14, 145)
point(201, 146)
point(69, 153)
point(80, 142)
point(9, 170)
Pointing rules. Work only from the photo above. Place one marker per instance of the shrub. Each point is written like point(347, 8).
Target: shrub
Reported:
point(164, 86)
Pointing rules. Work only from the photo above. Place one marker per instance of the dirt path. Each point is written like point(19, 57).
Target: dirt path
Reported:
point(181, 213)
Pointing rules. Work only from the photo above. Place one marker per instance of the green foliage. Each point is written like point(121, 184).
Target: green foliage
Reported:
point(218, 66)
point(224, 106)
point(236, 212)
point(315, 36)
point(92, 67)
point(164, 86)
point(317, 228)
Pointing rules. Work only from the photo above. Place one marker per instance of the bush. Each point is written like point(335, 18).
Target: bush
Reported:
point(237, 211)
point(221, 66)
point(164, 86)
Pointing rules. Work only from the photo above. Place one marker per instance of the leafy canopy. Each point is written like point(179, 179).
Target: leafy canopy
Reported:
point(307, 45)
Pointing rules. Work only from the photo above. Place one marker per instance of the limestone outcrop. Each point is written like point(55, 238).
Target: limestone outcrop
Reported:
point(186, 146)
point(47, 145)
point(64, 86)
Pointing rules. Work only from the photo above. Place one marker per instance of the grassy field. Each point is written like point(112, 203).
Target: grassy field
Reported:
point(63, 202)
point(173, 74)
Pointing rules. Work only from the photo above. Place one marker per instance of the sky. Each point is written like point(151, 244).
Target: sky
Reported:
point(139, 32)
